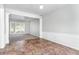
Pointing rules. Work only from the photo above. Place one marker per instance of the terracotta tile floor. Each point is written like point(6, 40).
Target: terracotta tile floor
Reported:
point(37, 47)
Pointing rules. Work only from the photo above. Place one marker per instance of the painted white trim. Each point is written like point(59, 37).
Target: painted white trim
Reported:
point(6, 27)
point(70, 40)
point(2, 36)
point(41, 33)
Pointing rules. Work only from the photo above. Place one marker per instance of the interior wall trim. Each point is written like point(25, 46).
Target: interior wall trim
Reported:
point(70, 40)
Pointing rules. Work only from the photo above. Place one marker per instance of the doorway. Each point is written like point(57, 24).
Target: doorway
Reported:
point(22, 27)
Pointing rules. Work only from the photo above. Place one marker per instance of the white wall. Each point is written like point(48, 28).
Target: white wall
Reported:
point(60, 20)
point(62, 26)
point(35, 27)
point(27, 28)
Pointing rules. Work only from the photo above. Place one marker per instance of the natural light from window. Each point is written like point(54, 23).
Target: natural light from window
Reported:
point(17, 27)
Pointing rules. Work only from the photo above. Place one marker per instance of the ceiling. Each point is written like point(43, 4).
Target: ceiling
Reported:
point(35, 8)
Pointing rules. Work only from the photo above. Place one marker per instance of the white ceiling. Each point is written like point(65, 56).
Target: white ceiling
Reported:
point(35, 8)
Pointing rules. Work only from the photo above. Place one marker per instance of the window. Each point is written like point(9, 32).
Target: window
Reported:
point(17, 27)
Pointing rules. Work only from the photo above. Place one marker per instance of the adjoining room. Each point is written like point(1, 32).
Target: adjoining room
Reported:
point(22, 27)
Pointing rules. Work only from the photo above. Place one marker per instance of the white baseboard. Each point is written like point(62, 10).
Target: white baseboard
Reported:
point(69, 40)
